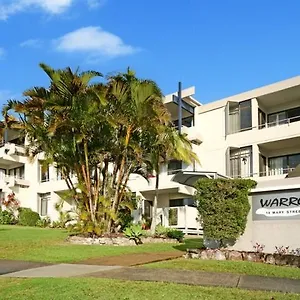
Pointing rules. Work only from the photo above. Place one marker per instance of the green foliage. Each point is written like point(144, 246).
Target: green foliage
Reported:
point(161, 231)
point(27, 217)
point(134, 232)
point(44, 222)
point(223, 207)
point(175, 234)
point(7, 217)
point(125, 218)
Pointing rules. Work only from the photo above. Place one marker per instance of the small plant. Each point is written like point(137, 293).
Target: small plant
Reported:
point(259, 248)
point(282, 250)
point(134, 232)
point(175, 234)
point(44, 222)
point(27, 217)
point(7, 218)
point(295, 252)
point(161, 231)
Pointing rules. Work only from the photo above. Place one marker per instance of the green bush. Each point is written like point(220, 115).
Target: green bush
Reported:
point(7, 217)
point(223, 207)
point(161, 231)
point(125, 218)
point(175, 234)
point(44, 222)
point(134, 232)
point(27, 217)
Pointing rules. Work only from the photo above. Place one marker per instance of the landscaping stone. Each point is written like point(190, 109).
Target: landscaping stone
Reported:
point(220, 255)
point(116, 241)
point(234, 255)
point(224, 254)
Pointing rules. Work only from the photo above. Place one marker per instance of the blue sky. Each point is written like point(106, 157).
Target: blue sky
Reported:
point(221, 47)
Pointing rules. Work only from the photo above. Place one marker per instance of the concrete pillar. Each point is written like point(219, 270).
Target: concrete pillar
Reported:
point(254, 105)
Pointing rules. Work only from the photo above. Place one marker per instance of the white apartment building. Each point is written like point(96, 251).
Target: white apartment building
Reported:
point(255, 134)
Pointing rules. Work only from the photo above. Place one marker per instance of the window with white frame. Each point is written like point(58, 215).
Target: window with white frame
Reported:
point(44, 173)
point(44, 199)
point(283, 164)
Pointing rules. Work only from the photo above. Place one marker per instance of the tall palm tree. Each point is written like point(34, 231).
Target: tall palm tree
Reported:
point(169, 144)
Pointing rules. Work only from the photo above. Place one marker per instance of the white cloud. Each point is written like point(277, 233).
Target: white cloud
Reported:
point(54, 7)
point(32, 43)
point(2, 52)
point(95, 42)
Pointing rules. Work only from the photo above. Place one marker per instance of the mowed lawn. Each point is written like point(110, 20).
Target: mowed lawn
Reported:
point(93, 288)
point(237, 267)
point(49, 245)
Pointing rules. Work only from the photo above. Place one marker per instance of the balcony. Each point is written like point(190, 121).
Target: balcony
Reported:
point(11, 181)
point(193, 134)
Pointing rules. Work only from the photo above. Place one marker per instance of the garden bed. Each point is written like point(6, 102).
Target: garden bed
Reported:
point(223, 254)
point(116, 240)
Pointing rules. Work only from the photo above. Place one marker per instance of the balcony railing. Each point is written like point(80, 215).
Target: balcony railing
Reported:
point(279, 122)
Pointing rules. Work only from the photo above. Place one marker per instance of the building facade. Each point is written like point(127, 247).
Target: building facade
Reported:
point(255, 134)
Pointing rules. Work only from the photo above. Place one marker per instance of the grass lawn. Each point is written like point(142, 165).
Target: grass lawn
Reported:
point(48, 245)
point(239, 267)
point(93, 288)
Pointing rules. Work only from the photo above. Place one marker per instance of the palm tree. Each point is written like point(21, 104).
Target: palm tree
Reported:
point(169, 144)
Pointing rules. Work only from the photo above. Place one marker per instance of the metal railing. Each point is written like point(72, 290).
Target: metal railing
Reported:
point(276, 123)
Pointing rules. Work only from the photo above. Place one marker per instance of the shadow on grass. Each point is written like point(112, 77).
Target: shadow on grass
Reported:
point(190, 243)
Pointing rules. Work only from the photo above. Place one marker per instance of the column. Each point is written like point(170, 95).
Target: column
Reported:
point(254, 111)
point(255, 160)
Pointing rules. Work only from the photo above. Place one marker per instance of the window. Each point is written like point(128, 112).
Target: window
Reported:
point(58, 174)
point(148, 208)
point(181, 202)
point(44, 198)
point(18, 173)
point(284, 117)
point(44, 173)
point(283, 164)
point(261, 119)
point(174, 166)
point(262, 165)
point(187, 122)
point(240, 162)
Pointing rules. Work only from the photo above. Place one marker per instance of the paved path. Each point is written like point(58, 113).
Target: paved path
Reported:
point(28, 269)
point(135, 259)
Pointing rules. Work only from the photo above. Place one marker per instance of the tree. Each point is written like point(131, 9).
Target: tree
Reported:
point(169, 143)
point(98, 131)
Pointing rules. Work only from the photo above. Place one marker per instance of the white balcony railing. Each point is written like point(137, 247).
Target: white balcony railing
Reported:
point(286, 121)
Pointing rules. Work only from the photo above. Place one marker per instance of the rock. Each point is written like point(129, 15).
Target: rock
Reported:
point(197, 251)
point(203, 255)
point(234, 255)
point(219, 255)
point(269, 259)
point(194, 255)
point(253, 256)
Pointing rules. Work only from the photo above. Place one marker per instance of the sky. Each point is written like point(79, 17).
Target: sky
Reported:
point(221, 47)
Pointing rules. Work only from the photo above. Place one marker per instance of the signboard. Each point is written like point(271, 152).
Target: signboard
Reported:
point(279, 205)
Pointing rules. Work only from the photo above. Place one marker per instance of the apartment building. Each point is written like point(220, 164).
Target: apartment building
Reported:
point(255, 134)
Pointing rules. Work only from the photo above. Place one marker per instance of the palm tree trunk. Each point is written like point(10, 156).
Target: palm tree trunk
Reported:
point(154, 217)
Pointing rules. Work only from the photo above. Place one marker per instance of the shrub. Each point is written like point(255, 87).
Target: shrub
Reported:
point(27, 217)
point(7, 217)
point(44, 222)
point(161, 231)
point(125, 218)
point(134, 232)
point(175, 234)
point(223, 207)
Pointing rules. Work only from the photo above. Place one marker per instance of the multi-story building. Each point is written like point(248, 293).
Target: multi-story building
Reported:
point(255, 134)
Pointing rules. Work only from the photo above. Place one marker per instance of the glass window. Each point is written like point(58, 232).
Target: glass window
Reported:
point(174, 166)
point(246, 115)
point(44, 173)
point(278, 165)
point(44, 198)
point(294, 115)
point(176, 202)
point(262, 165)
point(293, 161)
point(261, 119)
point(241, 162)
